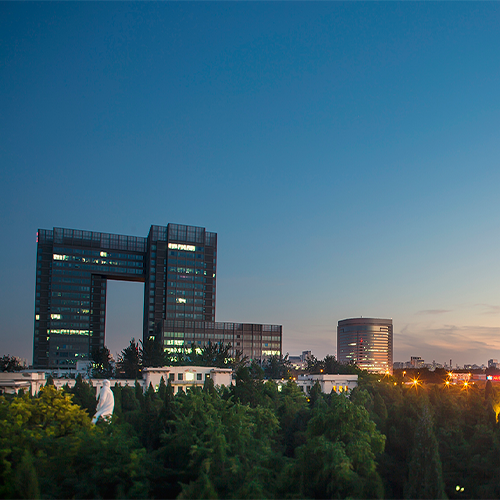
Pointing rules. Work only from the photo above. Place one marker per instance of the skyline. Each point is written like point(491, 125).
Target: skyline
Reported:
point(346, 154)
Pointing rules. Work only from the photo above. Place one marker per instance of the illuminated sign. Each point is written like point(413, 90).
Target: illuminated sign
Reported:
point(178, 246)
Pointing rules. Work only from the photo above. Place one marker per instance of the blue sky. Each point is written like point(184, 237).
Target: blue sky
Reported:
point(347, 155)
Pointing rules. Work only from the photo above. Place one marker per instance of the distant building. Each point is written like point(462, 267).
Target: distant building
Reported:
point(474, 367)
point(492, 363)
point(300, 362)
point(416, 362)
point(328, 383)
point(366, 342)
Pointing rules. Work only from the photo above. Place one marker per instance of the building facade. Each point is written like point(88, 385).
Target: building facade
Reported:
point(341, 384)
point(366, 342)
point(176, 263)
point(254, 341)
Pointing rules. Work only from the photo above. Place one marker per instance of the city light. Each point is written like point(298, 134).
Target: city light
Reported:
point(415, 383)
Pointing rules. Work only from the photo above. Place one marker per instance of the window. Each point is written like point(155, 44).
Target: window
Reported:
point(179, 376)
point(198, 376)
point(170, 376)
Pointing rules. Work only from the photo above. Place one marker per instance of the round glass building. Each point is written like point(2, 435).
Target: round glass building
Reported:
point(366, 342)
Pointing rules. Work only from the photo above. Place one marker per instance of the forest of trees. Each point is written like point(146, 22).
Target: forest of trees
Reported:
point(251, 440)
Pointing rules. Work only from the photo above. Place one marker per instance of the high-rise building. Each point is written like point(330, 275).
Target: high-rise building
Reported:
point(366, 342)
point(176, 263)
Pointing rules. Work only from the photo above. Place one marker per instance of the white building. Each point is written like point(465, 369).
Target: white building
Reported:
point(30, 381)
point(328, 383)
point(186, 376)
point(179, 376)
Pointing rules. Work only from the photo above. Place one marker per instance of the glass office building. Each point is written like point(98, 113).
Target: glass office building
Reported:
point(252, 340)
point(176, 263)
point(366, 342)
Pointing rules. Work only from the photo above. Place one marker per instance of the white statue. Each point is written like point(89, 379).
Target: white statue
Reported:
point(106, 402)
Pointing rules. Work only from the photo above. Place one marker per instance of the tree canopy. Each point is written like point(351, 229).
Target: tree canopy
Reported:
point(254, 439)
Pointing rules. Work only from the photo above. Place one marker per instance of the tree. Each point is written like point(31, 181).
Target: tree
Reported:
point(162, 389)
point(425, 470)
point(338, 458)
point(489, 391)
point(102, 366)
point(152, 353)
point(314, 365)
point(84, 395)
point(217, 448)
point(211, 354)
point(277, 367)
point(129, 361)
point(10, 364)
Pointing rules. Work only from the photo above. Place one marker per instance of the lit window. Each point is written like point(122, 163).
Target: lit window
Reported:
point(104, 254)
point(178, 246)
point(189, 376)
point(55, 316)
point(37, 317)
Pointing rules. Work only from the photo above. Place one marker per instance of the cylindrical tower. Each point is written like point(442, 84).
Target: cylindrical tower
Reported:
point(366, 342)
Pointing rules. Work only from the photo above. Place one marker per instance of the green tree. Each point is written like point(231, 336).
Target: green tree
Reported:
point(489, 391)
point(425, 469)
point(211, 354)
point(129, 361)
point(277, 367)
point(152, 353)
point(162, 389)
point(10, 364)
point(102, 366)
point(84, 395)
point(339, 458)
point(217, 448)
point(26, 477)
point(27, 426)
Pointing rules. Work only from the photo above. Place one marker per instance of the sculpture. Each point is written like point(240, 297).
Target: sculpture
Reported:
point(106, 402)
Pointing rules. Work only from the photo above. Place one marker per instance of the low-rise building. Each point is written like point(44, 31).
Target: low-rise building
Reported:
point(328, 383)
point(186, 376)
point(183, 377)
point(28, 380)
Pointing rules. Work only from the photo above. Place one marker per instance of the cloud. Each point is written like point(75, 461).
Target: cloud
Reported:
point(434, 311)
point(466, 344)
point(490, 309)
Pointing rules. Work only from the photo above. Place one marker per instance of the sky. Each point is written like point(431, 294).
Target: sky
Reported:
point(346, 154)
